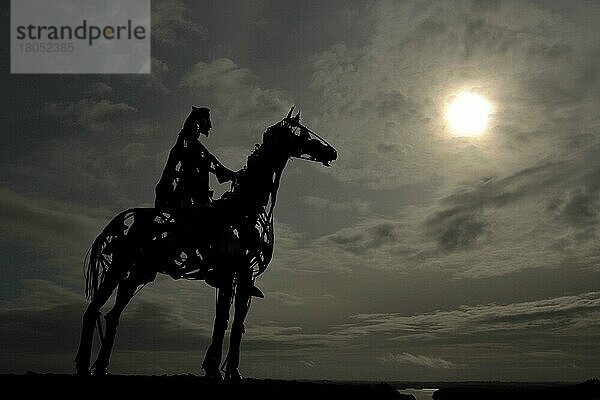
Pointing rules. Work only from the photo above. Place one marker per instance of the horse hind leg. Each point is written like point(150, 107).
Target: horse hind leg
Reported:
point(91, 315)
point(125, 292)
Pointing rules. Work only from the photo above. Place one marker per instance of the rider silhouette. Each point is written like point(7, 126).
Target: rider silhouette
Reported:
point(184, 184)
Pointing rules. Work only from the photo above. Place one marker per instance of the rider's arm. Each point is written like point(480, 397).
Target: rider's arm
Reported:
point(223, 173)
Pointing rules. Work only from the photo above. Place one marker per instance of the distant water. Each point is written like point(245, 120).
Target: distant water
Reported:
point(420, 394)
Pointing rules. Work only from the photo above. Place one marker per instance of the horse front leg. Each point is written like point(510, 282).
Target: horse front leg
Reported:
point(242, 305)
point(212, 360)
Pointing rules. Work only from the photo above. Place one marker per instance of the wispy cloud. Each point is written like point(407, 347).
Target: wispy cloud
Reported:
point(418, 360)
point(562, 315)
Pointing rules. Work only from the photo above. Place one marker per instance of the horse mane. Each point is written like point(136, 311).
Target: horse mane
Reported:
point(255, 158)
point(252, 174)
point(257, 153)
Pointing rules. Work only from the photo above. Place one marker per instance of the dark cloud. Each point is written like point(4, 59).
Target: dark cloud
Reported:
point(99, 89)
point(367, 239)
point(482, 37)
point(173, 23)
point(392, 104)
point(89, 114)
point(149, 326)
point(47, 331)
point(51, 228)
point(461, 223)
point(47, 320)
point(461, 232)
point(582, 207)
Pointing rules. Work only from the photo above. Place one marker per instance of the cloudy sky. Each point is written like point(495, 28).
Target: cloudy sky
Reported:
point(420, 255)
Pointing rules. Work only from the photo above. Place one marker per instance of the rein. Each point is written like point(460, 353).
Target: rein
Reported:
point(312, 134)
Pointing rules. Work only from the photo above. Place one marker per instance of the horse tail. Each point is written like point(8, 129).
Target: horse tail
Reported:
point(96, 265)
point(100, 258)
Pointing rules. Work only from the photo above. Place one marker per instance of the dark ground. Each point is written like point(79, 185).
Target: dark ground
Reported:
point(589, 390)
point(124, 386)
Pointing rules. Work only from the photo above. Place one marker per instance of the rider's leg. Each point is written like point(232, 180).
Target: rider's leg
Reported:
point(212, 360)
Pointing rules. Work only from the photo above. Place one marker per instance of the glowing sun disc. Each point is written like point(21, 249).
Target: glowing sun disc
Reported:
point(467, 114)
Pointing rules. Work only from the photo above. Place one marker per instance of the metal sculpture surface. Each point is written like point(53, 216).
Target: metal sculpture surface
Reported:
point(226, 242)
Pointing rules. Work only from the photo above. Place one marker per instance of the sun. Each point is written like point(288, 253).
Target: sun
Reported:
point(467, 114)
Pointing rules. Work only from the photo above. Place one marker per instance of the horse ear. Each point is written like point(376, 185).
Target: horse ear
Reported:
point(290, 113)
point(297, 117)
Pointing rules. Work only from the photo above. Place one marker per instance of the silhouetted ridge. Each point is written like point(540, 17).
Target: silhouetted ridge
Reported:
point(123, 386)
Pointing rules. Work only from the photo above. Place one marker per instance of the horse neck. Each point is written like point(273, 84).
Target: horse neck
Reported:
point(260, 181)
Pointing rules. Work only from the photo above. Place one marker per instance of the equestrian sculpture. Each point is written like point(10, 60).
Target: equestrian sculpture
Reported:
point(226, 242)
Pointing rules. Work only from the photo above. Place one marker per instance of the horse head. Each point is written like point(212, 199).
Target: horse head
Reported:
point(296, 140)
point(258, 181)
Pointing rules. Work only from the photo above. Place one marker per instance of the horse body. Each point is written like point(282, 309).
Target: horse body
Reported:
point(227, 245)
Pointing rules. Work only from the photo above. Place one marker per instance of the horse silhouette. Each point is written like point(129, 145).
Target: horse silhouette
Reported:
point(227, 244)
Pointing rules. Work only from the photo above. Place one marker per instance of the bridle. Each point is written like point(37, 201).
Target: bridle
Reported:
point(295, 125)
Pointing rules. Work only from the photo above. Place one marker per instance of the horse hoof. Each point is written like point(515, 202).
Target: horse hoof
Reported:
point(233, 376)
point(100, 372)
point(83, 372)
point(213, 374)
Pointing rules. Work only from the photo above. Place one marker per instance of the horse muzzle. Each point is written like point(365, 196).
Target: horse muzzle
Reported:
point(329, 156)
